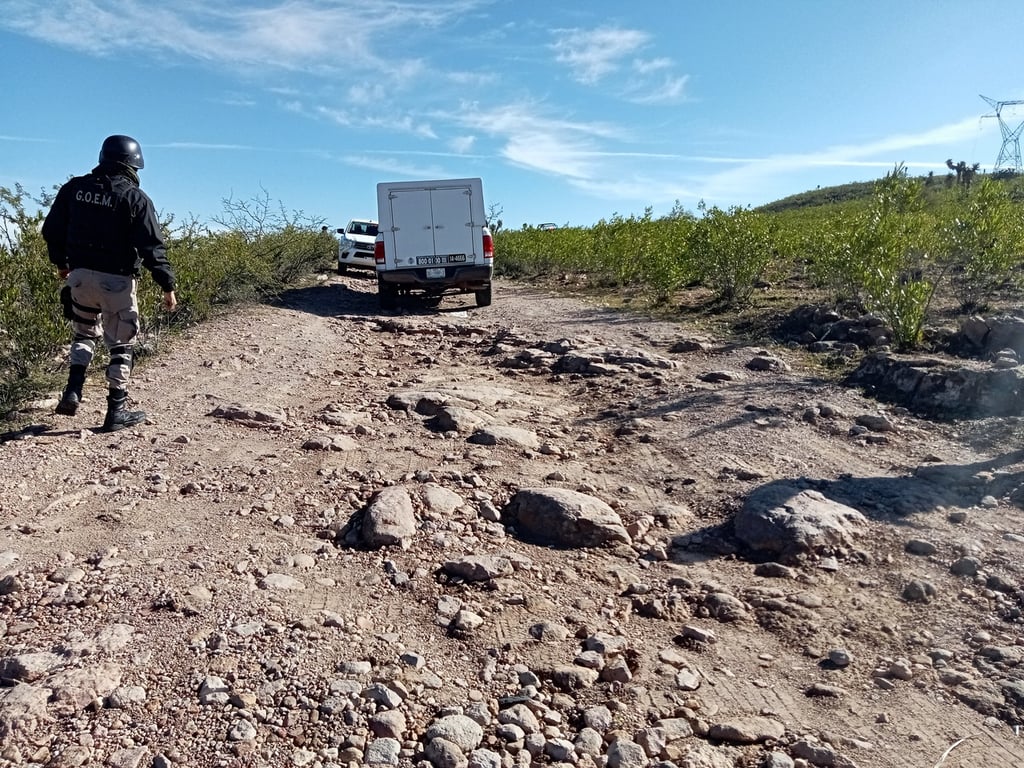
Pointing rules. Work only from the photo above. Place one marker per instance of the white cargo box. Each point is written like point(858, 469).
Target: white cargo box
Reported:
point(433, 238)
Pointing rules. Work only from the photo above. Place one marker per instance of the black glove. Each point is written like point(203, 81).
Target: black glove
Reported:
point(65, 302)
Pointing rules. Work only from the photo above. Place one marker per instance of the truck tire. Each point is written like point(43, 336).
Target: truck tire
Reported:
point(387, 295)
point(342, 269)
point(483, 297)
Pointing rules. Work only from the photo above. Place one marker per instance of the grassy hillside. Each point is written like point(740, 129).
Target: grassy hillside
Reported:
point(862, 191)
point(822, 196)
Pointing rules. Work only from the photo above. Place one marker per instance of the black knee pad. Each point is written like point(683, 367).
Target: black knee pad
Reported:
point(123, 354)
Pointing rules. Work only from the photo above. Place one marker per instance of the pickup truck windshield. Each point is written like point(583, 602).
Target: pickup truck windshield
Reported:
point(362, 228)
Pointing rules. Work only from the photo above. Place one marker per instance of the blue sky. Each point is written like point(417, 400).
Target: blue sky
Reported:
point(569, 111)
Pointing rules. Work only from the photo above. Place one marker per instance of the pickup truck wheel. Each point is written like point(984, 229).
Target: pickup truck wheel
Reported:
point(342, 269)
point(387, 295)
point(483, 297)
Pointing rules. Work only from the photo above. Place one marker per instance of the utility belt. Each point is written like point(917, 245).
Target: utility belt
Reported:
point(105, 267)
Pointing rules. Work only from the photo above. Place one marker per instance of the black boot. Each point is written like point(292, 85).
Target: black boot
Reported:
point(117, 416)
point(68, 405)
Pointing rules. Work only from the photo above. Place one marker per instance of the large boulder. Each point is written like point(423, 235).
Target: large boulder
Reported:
point(787, 520)
point(564, 518)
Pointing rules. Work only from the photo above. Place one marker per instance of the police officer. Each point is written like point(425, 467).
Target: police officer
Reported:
point(101, 229)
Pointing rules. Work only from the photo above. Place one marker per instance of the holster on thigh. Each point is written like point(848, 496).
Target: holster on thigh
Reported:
point(66, 307)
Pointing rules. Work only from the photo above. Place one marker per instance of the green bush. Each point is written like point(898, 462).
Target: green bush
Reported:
point(637, 251)
point(668, 262)
point(981, 241)
point(833, 262)
point(531, 252)
point(735, 250)
point(888, 248)
point(32, 328)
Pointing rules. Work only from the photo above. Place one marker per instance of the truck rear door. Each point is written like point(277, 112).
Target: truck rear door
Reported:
point(413, 226)
point(433, 227)
point(454, 233)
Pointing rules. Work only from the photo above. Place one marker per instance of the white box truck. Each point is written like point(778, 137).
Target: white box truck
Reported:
point(432, 238)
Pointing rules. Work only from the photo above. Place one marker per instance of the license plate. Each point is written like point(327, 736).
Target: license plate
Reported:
point(431, 261)
point(435, 272)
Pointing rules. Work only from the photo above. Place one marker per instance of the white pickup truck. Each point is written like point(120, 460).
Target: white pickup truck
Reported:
point(355, 248)
point(432, 238)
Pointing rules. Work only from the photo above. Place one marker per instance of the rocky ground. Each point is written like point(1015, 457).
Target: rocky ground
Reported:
point(536, 533)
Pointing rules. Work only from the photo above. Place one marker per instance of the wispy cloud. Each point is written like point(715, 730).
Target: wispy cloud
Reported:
point(597, 55)
point(365, 94)
point(462, 144)
point(649, 188)
point(404, 124)
point(31, 139)
point(942, 135)
point(749, 174)
point(530, 139)
point(475, 79)
point(585, 157)
point(237, 100)
point(647, 66)
point(421, 153)
point(336, 116)
point(394, 166)
point(668, 91)
point(592, 54)
point(307, 35)
point(363, 116)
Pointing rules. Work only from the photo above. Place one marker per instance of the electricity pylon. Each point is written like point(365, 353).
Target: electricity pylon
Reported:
point(1009, 152)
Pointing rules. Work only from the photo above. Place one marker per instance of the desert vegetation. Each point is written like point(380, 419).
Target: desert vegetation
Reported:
point(888, 247)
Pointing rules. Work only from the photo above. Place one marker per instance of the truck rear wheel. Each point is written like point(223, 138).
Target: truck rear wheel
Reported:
point(483, 297)
point(387, 295)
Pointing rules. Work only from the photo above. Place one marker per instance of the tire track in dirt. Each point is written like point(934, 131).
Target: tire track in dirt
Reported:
point(916, 721)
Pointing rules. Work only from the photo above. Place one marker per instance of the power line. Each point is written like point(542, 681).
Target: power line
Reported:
point(1009, 152)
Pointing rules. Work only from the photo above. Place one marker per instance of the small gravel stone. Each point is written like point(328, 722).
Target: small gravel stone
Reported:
point(840, 657)
point(383, 751)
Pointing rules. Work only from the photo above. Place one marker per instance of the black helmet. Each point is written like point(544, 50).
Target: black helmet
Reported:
point(122, 149)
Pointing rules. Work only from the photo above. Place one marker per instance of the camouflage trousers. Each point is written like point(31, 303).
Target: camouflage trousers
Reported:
point(104, 305)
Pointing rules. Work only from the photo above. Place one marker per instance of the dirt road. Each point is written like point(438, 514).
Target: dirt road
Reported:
point(318, 553)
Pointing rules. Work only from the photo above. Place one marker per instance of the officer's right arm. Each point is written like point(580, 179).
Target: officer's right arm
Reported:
point(149, 242)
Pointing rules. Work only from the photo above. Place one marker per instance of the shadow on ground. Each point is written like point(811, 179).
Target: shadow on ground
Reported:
point(895, 500)
point(334, 299)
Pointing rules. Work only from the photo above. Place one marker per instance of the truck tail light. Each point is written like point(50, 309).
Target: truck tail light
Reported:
point(378, 252)
point(488, 246)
